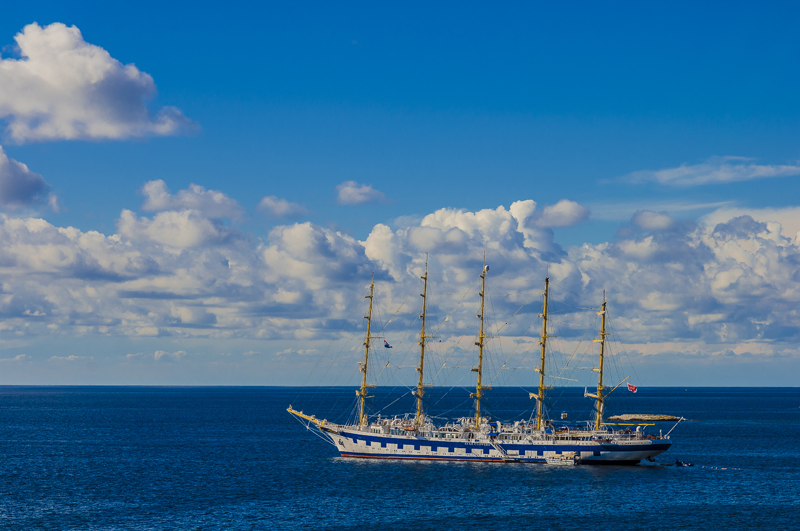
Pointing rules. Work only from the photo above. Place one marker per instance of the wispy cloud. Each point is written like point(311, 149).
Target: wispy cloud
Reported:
point(18, 357)
point(716, 170)
point(622, 211)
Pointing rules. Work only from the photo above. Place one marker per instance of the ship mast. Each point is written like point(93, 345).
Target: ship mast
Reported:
point(422, 336)
point(479, 388)
point(599, 396)
point(540, 370)
point(362, 418)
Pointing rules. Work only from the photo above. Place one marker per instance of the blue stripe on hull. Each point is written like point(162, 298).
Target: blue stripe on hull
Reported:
point(429, 458)
point(473, 459)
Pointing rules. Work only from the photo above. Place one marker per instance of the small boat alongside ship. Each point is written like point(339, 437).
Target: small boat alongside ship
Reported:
point(565, 459)
point(477, 438)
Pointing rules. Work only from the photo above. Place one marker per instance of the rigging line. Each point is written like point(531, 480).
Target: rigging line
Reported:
point(395, 314)
point(446, 393)
point(457, 406)
point(444, 364)
point(457, 305)
point(515, 313)
point(398, 398)
point(355, 331)
point(314, 431)
point(494, 318)
point(576, 348)
point(452, 351)
point(404, 336)
point(344, 323)
point(388, 361)
point(573, 323)
point(343, 365)
point(377, 308)
point(335, 414)
point(585, 308)
point(572, 292)
point(524, 335)
point(499, 341)
point(619, 340)
point(398, 347)
point(338, 358)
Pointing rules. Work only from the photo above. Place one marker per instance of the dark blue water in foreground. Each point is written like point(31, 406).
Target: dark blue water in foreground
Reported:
point(232, 458)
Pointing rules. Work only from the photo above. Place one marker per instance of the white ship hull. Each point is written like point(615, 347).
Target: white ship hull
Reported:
point(621, 449)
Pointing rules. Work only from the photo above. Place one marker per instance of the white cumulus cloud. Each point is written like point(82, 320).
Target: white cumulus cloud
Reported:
point(788, 218)
point(565, 213)
point(19, 186)
point(210, 203)
point(162, 355)
point(649, 220)
point(279, 208)
point(353, 193)
point(63, 88)
point(186, 228)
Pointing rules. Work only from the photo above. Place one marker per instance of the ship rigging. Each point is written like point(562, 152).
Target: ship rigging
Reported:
point(478, 438)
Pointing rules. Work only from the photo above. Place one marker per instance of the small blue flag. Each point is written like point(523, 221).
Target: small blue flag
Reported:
point(386, 345)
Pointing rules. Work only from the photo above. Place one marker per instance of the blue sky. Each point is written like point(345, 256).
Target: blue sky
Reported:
point(682, 111)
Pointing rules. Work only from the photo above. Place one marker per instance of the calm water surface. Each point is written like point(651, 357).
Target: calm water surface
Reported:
point(232, 458)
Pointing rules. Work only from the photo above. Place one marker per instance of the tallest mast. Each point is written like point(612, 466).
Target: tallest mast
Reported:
point(479, 388)
point(421, 368)
point(543, 342)
point(599, 418)
point(362, 417)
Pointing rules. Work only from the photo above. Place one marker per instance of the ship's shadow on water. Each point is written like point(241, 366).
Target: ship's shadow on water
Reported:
point(233, 458)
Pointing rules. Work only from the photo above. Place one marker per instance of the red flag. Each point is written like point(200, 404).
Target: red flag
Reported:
point(631, 388)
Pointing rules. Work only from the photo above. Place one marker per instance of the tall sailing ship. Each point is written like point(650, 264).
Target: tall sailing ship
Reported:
point(477, 438)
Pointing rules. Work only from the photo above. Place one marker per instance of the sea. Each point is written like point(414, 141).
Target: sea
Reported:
point(208, 458)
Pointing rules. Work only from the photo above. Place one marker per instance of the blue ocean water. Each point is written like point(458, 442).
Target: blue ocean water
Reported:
point(232, 458)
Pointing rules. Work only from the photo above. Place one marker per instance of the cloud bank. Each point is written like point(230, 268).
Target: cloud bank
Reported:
point(728, 285)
